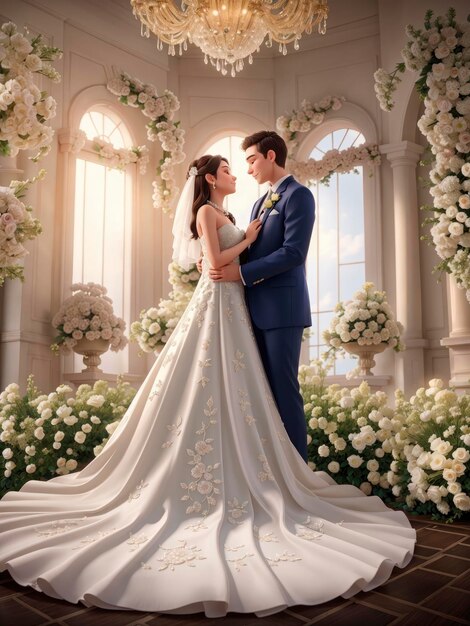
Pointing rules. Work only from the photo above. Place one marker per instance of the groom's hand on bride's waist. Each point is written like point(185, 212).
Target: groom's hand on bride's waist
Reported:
point(226, 273)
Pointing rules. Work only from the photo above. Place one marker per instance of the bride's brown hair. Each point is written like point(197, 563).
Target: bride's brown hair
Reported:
point(207, 164)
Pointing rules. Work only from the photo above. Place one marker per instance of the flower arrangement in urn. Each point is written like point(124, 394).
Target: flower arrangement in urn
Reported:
point(366, 321)
point(155, 325)
point(88, 314)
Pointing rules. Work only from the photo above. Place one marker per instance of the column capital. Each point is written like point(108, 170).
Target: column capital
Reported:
point(402, 153)
point(71, 140)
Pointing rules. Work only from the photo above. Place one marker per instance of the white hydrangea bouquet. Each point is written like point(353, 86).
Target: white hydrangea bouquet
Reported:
point(441, 54)
point(44, 435)
point(16, 226)
point(88, 313)
point(155, 325)
point(24, 108)
point(367, 319)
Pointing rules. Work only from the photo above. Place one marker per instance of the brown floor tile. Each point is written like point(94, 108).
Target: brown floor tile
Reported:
point(414, 586)
point(454, 602)
point(437, 538)
point(8, 587)
point(462, 582)
point(449, 565)
point(415, 562)
point(311, 612)
point(55, 609)
point(460, 550)
point(382, 601)
point(417, 617)
point(12, 613)
point(356, 615)
point(101, 617)
point(175, 620)
point(424, 552)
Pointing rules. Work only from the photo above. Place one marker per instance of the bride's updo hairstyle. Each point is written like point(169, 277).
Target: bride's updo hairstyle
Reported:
point(207, 164)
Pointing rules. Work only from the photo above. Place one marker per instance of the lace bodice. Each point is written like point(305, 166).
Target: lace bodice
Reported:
point(229, 235)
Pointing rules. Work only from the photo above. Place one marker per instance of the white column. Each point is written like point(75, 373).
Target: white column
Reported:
point(458, 341)
point(409, 365)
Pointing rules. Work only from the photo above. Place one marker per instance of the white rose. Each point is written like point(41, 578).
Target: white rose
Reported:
point(454, 488)
point(7, 453)
point(462, 501)
point(324, 451)
point(71, 464)
point(461, 455)
point(80, 437)
point(372, 465)
point(333, 467)
point(366, 488)
point(39, 433)
point(96, 401)
point(31, 468)
point(355, 461)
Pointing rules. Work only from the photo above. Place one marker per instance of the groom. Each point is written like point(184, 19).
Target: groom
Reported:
point(273, 273)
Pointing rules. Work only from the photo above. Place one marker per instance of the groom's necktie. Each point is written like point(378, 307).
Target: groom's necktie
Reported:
point(263, 209)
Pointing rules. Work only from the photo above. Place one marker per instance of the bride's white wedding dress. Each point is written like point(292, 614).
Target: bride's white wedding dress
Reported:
point(199, 502)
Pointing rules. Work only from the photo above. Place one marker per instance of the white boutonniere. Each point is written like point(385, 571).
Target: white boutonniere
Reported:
point(270, 202)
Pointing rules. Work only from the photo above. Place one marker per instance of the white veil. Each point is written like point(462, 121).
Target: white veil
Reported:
point(186, 250)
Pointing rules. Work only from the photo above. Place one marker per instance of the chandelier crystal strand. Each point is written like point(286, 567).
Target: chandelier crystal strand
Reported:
point(229, 31)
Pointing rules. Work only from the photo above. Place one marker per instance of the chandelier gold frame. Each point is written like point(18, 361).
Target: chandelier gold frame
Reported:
point(229, 31)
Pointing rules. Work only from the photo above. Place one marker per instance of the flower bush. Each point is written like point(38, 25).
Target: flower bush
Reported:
point(414, 455)
point(88, 313)
point(366, 319)
point(24, 108)
point(433, 450)
point(161, 111)
point(42, 436)
point(155, 325)
point(16, 226)
point(348, 431)
point(120, 158)
point(441, 55)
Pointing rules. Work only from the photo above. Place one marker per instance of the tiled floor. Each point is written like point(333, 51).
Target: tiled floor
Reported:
point(433, 590)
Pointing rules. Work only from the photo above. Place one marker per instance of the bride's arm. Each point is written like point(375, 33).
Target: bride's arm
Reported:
point(207, 220)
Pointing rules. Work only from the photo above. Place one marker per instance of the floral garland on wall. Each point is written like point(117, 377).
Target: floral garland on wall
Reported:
point(312, 114)
point(441, 55)
point(161, 111)
point(24, 108)
point(120, 158)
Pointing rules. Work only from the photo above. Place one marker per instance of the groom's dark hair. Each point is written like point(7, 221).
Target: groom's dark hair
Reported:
point(266, 140)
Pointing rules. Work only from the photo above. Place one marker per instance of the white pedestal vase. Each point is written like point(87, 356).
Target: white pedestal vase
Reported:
point(365, 355)
point(91, 351)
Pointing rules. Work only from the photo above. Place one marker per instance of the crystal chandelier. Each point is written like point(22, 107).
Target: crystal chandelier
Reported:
point(229, 31)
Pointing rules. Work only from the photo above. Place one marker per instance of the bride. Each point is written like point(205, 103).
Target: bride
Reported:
point(199, 502)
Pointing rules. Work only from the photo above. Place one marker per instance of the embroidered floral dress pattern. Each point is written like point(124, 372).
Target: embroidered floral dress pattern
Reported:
point(199, 492)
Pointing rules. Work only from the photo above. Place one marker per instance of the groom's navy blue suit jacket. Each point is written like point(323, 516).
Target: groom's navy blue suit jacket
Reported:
point(274, 271)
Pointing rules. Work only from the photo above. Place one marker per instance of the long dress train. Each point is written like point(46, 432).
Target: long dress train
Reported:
point(199, 502)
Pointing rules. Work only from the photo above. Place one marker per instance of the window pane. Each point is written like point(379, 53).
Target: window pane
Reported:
point(351, 278)
point(102, 229)
point(335, 264)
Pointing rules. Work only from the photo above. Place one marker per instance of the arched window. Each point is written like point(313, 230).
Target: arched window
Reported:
point(102, 223)
point(336, 259)
point(248, 190)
